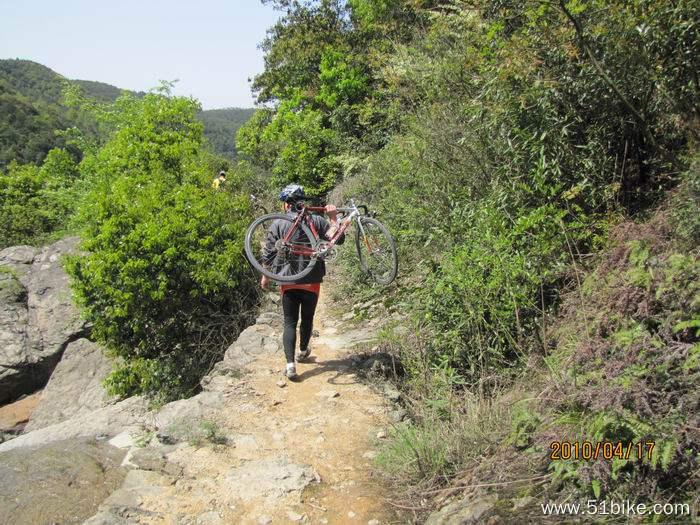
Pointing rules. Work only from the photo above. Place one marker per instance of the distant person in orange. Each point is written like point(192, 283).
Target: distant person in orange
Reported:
point(219, 181)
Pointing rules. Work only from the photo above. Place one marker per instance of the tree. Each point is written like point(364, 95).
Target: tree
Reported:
point(164, 282)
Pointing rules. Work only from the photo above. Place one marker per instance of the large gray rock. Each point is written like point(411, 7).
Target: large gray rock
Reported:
point(255, 340)
point(467, 511)
point(18, 258)
point(123, 505)
point(201, 406)
point(52, 314)
point(37, 316)
point(75, 386)
point(17, 375)
point(269, 478)
point(63, 482)
point(104, 422)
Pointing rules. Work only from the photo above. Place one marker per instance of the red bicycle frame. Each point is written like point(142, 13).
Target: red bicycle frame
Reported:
point(296, 249)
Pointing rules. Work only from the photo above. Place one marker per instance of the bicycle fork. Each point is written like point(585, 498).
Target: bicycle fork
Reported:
point(356, 212)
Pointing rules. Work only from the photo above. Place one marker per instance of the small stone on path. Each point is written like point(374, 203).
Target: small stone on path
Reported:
point(294, 516)
point(373, 522)
point(351, 514)
point(397, 415)
point(264, 520)
point(328, 394)
point(281, 383)
point(381, 434)
point(370, 454)
point(392, 394)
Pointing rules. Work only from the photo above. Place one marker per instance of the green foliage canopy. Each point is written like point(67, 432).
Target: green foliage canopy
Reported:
point(164, 267)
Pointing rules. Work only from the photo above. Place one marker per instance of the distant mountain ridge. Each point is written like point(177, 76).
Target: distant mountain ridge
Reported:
point(31, 110)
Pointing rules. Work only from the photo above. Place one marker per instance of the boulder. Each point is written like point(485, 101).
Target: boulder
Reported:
point(102, 423)
point(62, 482)
point(269, 478)
point(18, 258)
point(75, 386)
point(468, 511)
point(19, 374)
point(184, 411)
point(53, 317)
point(37, 316)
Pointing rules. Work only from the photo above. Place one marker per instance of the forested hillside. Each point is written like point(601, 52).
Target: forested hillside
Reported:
point(537, 163)
point(220, 127)
point(32, 109)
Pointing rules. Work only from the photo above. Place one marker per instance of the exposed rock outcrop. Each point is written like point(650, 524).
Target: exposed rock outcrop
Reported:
point(37, 316)
point(104, 422)
point(468, 511)
point(75, 386)
point(62, 482)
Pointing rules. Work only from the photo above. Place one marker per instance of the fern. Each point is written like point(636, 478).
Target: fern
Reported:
point(668, 450)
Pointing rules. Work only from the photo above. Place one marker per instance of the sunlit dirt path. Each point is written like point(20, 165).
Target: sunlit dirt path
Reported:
point(328, 421)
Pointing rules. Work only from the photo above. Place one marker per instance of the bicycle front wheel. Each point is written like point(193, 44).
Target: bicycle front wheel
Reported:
point(275, 253)
point(376, 250)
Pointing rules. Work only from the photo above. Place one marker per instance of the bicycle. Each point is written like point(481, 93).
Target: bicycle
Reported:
point(286, 247)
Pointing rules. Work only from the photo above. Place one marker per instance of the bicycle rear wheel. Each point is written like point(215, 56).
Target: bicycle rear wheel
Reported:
point(279, 259)
point(376, 250)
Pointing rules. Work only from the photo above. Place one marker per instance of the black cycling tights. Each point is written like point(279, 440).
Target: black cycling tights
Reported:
point(291, 301)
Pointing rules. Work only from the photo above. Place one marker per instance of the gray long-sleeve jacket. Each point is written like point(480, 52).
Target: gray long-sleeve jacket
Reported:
point(294, 264)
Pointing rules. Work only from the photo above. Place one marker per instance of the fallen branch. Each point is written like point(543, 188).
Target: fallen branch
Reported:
point(450, 489)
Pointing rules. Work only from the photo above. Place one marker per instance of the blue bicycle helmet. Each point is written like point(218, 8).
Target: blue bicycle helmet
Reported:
point(292, 193)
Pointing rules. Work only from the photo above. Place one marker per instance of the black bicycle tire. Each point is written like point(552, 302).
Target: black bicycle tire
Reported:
point(392, 244)
point(259, 267)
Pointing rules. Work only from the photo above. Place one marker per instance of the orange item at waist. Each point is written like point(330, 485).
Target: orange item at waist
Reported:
point(309, 287)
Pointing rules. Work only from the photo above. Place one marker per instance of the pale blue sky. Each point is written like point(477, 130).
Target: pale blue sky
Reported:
point(210, 45)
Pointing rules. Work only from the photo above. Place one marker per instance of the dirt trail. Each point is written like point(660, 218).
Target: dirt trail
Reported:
point(328, 420)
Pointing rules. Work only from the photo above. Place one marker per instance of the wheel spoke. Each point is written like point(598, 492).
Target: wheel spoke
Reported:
point(282, 259)
point(377, 252)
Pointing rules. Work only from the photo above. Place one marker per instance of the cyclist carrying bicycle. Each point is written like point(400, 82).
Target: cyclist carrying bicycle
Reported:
point(301, 295)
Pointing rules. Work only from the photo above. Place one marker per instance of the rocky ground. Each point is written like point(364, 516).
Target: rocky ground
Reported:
point(252, 447)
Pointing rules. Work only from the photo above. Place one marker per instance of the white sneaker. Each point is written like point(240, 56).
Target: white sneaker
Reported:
point(291, 372)
point(303, 355)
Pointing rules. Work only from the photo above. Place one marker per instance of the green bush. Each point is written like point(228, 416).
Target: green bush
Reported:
point(22, 215)
point(627, 366)
point(164, 282)
point(37, 203)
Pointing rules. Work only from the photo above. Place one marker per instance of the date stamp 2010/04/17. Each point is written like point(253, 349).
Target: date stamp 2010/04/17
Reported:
point(602, 449)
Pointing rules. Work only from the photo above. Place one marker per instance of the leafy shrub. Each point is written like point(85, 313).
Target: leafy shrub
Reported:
point(22, 217)
point(296, 145)
point(164, 281)
point(628, 353)
point(684, 205)
point(37, 203)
